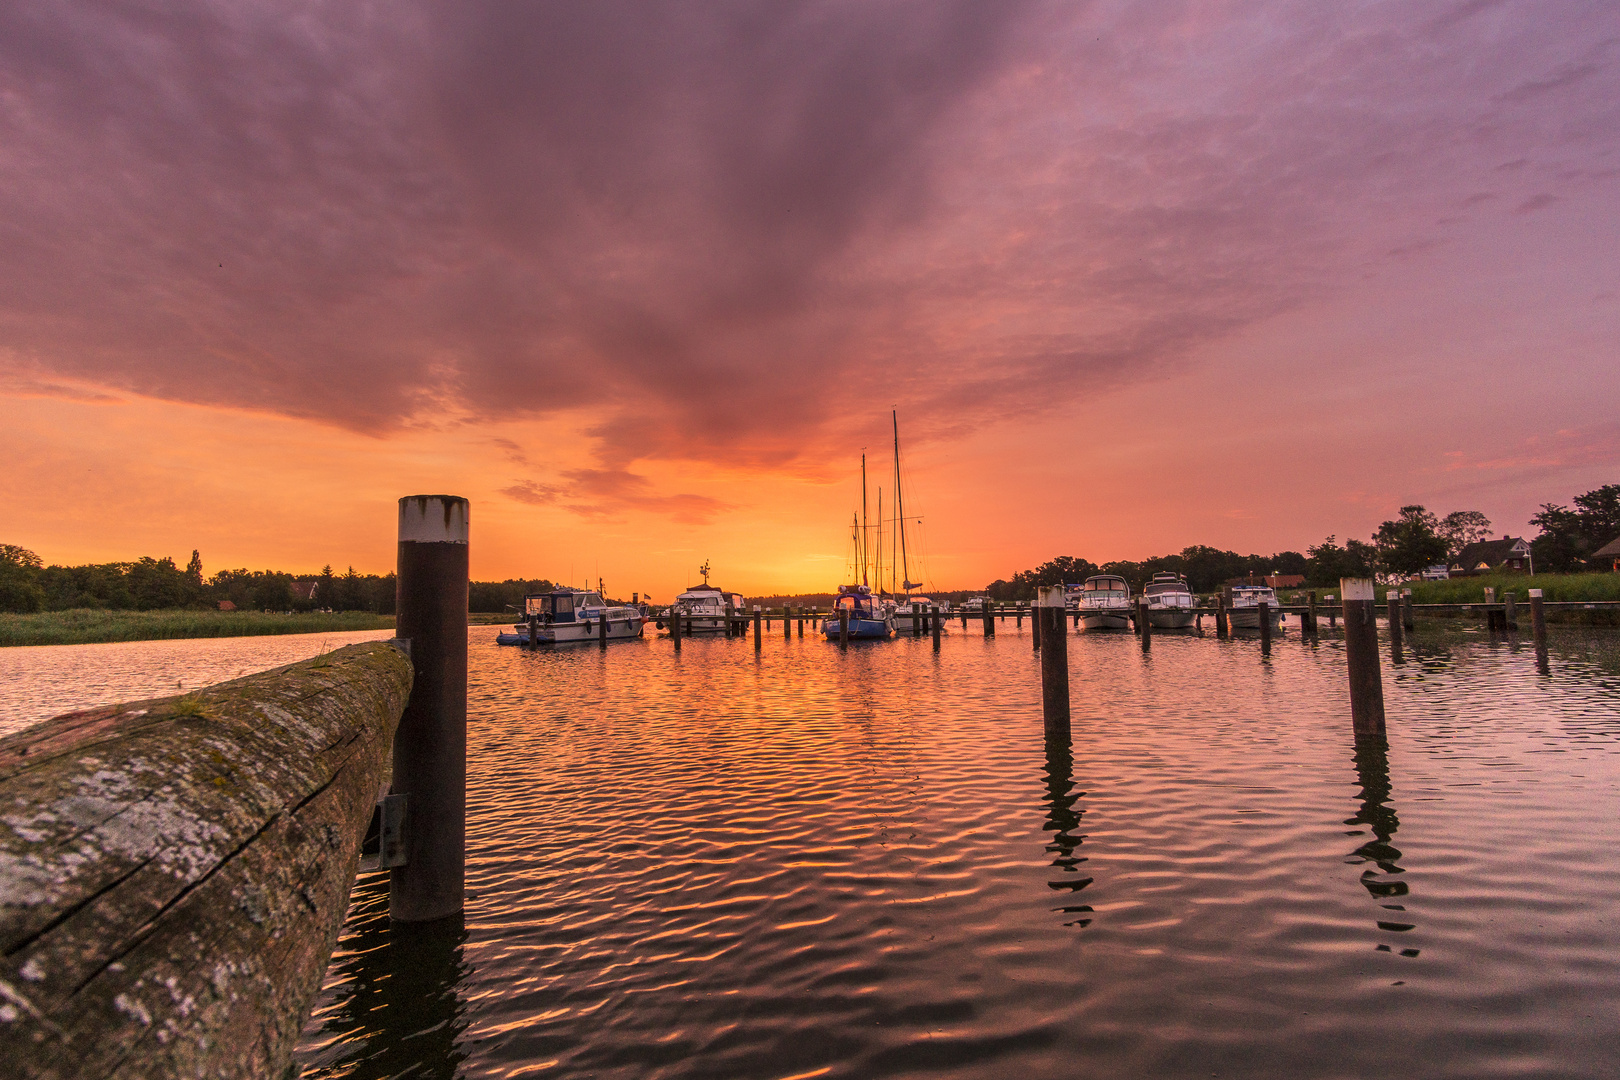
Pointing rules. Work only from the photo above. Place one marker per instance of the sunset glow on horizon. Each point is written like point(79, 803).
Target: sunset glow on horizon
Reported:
point(644, 281)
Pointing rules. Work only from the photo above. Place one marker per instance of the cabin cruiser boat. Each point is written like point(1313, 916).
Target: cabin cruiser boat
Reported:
point(1170, 602)
point(703, 609)
point(1244, 609)
point(867, 620)
point(563, 616)
point(918, 604)
point(1105, 603)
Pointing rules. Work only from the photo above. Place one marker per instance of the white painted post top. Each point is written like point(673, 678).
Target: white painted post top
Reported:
point(433, 519)
point(1356, 588)
point(1050, 596)
point(1536, 593)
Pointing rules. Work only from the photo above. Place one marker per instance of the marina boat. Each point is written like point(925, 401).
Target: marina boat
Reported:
point(1170, 602)
point(918, 604)
point(1244, 609)
point(1105, 603)
point(703, 609)
point(565, 616)
point(867, 619)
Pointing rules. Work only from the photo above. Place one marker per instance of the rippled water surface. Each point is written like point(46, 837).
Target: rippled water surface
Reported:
point(873, 864)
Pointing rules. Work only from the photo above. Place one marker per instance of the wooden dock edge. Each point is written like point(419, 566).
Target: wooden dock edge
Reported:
point(174, 872)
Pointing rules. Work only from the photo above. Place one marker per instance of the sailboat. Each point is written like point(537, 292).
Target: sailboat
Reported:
point(905, 603)
point(855, 604)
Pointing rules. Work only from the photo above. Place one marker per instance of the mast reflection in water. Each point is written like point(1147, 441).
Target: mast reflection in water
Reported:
point(1377, 814)
point(394, 1009)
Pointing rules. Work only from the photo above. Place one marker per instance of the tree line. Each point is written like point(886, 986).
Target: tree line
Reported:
point(1401, 547)
point(148, 584)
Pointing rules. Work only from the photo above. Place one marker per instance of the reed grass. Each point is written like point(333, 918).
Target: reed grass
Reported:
point(1555, 588)
point(82, 626)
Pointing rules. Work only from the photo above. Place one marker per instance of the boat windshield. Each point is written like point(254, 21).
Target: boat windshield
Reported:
point(590, 599)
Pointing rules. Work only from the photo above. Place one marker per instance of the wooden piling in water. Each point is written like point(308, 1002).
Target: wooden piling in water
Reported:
point(1265, 628)
point(843, 628)
point(1361, 656)
point(1538, 628)
point(675, 627)
point(603, 625)
point(1408, 621)
point(933, 621)
point(1510, 613)
point(1310, 615)
point(1394, 599)
point(1146, 620)
point(1035, 623)
point(989, 619)
point(174, 872)
point(430, 746)
point(1054, 660)
point(757, 637)
point(1220, 617)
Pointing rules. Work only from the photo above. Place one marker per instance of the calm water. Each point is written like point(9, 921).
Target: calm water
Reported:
point(873, 864)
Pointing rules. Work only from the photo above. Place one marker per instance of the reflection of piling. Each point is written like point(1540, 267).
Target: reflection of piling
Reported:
point(430, 746)
point(1054, 660)
point(1220, 617)
point(1361, 656)
point(933, 621)
point(1395, 625)
point(843, 628)
point(1265, 628)
point(1538, 627)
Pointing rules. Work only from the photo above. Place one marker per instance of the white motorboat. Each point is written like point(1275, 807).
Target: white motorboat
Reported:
point(1171, 603)
point(703, 609)
point(567, 616)
point(1105, 603)
point(1244, 609)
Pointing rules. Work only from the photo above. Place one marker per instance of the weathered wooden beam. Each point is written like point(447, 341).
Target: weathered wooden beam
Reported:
point(173, 873)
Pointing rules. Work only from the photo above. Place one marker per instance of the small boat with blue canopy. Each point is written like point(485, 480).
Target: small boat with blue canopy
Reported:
point(867, 619)
point(564, 616)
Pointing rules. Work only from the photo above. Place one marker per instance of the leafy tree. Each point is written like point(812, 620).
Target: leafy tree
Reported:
point(1410, 542)
point(1461, 528)
point(19, 579)
point(1328, 562)
point(194, 570)
point(1568, 537)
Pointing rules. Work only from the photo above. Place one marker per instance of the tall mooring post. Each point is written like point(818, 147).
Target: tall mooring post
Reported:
point(1538, 627)
point(787, 623)
point(1361, 656)
point(989, 618)
point(675, 627)
point(1220, 616)
point(430, 745)
point(757, 637)
point(1145, 623)
point(1310, 615)
point(602, 625)
point(1265, 628)
point(843, 628)
point(933, 621)
point(1054, 659)
point(1510, 614)
point(1035, 623)
point(1394, 599)
point(1407, 614)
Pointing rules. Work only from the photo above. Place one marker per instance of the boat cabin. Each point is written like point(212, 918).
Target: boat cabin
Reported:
point(856, 599)
point(1166, 584)
point(1105, 586)
point(1252, 595)
point(561, 605)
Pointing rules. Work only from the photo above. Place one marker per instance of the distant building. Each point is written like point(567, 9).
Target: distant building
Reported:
point(1484, 556)
point(1437, 572)
point(1610, 553)
point(226, 605)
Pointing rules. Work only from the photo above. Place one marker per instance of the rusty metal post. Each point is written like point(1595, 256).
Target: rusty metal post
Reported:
point(430, 745)
point(1361, 656)
point(1054, 660)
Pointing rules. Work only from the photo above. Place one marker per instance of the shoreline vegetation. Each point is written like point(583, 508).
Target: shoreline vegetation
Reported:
point(94, 626)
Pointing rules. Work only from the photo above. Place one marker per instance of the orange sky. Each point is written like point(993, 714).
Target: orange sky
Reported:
point(643, 282)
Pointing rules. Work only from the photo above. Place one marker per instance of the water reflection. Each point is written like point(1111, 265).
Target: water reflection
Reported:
point(395, 1011)
point(1062, 821)
point(1376, 813)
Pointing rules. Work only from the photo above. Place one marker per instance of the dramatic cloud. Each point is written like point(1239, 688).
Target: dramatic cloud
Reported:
point(720, 229)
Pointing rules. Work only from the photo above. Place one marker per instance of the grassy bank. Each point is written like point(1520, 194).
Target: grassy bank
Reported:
point(1562, 588)
point(86, 625)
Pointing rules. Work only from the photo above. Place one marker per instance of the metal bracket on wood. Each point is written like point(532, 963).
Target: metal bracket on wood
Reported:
point(385, 847)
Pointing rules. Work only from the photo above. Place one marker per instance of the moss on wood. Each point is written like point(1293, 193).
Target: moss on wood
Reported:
point(173, 872)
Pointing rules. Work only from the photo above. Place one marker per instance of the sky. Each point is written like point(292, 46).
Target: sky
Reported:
point(643, 280)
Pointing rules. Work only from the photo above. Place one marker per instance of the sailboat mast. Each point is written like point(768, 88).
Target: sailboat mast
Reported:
point(864, 560)
point(878, 562)
point(900, 504)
